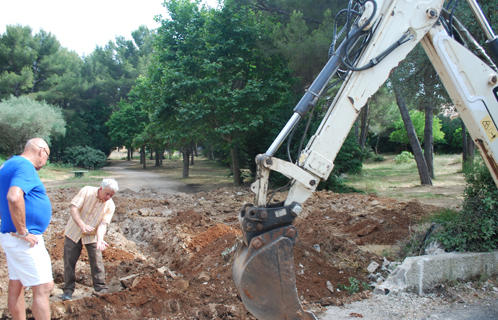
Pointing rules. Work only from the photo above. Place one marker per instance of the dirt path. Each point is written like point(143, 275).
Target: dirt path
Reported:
point(138, 180)
point(130, 178)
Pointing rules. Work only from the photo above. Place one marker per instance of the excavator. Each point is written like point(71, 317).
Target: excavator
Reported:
point(379, 34)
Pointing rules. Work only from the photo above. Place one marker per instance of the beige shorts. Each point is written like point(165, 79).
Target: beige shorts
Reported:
point(32, 266)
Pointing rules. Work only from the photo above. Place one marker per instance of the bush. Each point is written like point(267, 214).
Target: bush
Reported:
point(84, 157)
point(378, 158)
point(349, 160)
point(351, 156)
point(336, 184)
point(403, 157)
point(475, 227)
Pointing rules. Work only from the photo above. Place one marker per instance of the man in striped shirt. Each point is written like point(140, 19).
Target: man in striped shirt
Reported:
point(91, 210)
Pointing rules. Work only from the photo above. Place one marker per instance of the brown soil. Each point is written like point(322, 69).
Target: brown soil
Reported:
point(170, 256)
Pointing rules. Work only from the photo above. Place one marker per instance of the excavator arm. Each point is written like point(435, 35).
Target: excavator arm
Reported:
point(385, 31)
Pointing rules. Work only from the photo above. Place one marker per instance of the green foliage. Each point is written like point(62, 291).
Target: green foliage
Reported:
point(303, 37)
point(337, 184)
point(404, 157)
point(452, 133)
point(213, 70)
point(17, 57)
point(383, 111)
point(378, 158)
point(349, 160)
point(23, 118)
point(351, 156)
point(354, 286)
point(475, 227)
point(457, 138)
point(87, 88)
point(418, 120)
point(126, 123)
point(85, 157)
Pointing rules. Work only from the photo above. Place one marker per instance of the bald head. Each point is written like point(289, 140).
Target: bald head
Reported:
point(35, 144)
point(36, 151)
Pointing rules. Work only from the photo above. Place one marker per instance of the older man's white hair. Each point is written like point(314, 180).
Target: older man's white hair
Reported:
point(110, 184)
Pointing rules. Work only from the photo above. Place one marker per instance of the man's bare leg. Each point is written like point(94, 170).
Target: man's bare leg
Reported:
point(41, 305)
point(17, 306)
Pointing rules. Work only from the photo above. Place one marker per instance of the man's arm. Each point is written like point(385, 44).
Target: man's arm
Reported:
point(15, 198)
point(101, 230)
point(75, 213)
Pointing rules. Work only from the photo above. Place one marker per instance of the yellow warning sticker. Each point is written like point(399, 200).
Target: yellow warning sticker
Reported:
point(489, 128)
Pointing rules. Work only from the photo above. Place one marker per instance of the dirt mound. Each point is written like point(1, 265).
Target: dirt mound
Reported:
point(170, 256)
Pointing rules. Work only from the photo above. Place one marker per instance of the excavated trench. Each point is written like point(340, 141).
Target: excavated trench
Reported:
point(170, 256)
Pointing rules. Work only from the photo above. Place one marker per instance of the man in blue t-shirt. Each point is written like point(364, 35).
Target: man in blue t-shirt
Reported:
point(25, 213)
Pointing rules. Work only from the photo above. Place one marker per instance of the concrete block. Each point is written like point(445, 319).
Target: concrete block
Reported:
point(419, 274)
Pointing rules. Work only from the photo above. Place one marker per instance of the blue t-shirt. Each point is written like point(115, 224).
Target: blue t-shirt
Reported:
point(20, 172)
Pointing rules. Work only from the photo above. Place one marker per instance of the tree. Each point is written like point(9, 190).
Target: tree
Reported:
point(215, 75)
point(303, 32)
point(423, 171)
point(364, 125)
point(17, 56)
point(429, 94)
point(46, 46)
point(61, 81)
point(382, 113)
point(251, 83)
point(34, 64)
point(418, 120)
point(108, 74)
point(23, 118)
point(126, 123)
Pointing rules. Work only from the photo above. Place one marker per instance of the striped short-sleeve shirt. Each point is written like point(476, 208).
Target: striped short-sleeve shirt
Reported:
point(92, 211)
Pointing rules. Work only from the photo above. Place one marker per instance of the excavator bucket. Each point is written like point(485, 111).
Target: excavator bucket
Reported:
point(263, 273)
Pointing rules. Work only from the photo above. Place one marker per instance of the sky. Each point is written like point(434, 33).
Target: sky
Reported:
point(81, 25)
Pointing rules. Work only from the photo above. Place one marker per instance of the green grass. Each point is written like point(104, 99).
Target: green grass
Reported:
point(56, 171)
point(387, 176)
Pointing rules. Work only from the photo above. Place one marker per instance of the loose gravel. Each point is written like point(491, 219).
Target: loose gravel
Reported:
point(467, 301)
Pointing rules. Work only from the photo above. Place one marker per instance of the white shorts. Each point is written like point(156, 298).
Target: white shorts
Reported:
point(32, 266)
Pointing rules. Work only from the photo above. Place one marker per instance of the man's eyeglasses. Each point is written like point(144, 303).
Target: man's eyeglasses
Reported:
point(44, 150)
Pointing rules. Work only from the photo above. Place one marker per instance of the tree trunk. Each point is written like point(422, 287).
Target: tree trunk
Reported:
point(377, 144)
point(357, 130)
point(211, 152)
point(423, 171)
point(186, 155)
point(464, 142)
point(57, 153)
point(471, 149)
point(192, 151)
point(429, 138)
point(363, 132)
point(195, 149)
point(151, 154)
point(129, 152)
point(158, 156)
point(143, 157)
point(237, 179)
